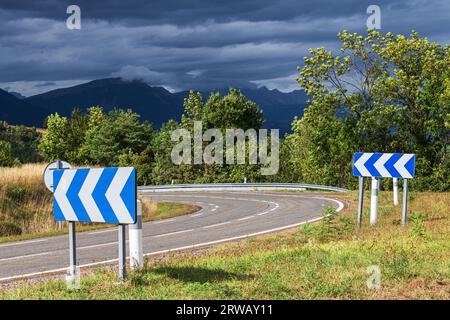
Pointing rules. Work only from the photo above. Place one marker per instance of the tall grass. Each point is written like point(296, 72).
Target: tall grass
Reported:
point(25, 203)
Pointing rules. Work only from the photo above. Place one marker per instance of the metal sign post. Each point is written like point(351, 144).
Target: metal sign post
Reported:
point(360, 200)
point(405, 201)
point(383, 165)
point(122, 252)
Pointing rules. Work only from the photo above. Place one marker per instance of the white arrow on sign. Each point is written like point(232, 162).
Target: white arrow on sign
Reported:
point(379, 164)
point(86, 198)
point(113, 194)
point(360, 164)
point(61, 194)
point(400, 165)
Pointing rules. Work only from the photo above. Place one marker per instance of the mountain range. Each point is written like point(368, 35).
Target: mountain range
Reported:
point(155, 104)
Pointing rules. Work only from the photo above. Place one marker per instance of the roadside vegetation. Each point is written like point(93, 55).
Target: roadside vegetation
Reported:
point(26, 206)
point(379, 93)
point(326, 260)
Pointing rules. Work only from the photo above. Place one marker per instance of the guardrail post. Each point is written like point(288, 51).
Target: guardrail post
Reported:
point(374, 201)
point(135, 237)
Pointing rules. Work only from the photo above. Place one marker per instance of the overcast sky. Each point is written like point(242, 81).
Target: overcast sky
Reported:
point(182, 44)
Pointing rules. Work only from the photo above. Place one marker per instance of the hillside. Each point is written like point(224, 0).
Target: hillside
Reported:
point(16, 111)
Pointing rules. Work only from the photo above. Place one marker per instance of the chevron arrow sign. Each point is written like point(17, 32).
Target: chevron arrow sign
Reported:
point(95, 195)
point(384, 165)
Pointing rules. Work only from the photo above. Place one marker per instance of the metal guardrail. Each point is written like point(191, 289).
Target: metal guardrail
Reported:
point(237, 187)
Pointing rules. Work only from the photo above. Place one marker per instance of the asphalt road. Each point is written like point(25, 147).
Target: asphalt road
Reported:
point(224, 216)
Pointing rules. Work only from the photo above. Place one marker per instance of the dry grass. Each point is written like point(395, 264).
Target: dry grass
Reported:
point(25, 203)
point(27, 174)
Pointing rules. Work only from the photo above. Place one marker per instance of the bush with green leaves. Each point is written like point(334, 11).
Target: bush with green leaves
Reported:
point(24, 142)
point(331, 227)
point(6, 155)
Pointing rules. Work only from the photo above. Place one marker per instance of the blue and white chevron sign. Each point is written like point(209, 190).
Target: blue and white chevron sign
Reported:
point(95, 195)
point(384, 165)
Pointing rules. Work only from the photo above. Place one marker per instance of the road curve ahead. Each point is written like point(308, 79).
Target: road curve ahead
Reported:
point(224, 216)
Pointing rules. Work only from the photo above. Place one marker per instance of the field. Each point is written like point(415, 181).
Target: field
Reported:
point(326, 260)
point(26, 207)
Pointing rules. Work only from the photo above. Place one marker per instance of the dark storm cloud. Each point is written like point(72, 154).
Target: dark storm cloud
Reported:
point(182, 12)
point(187, 44)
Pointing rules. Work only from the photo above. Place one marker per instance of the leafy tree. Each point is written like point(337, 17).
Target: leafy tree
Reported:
point(120, 133)
point(233, 110)
point(230, 111)
point(24, 142)
point(64, 136)
point(55, 144)
point(382, 93)
point(164, 171)
point(95, 119)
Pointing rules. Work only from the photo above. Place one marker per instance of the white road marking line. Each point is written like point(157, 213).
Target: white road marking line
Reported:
point(246, 218)
point(172, 233)
point(21, 243)
point(197, 214)
point(98, 245)
point(25, 256)
point(216, 225)
point(103, 231)
point(164, 221)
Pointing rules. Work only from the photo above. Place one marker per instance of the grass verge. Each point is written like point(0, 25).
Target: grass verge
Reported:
point(326, 260)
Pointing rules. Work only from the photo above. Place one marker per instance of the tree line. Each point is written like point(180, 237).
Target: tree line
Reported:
point(379, 93)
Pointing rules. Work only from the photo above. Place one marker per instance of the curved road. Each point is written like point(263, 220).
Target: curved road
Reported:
point(224, 216)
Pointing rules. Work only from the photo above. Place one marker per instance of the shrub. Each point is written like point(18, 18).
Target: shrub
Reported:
point(9, 229)
point(6, 155)
point(418, 229)
point(329, 228)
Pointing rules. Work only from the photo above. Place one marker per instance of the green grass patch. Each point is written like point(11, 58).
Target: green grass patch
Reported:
point(326, 260)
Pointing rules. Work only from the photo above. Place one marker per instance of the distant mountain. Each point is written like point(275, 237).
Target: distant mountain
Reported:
point(17, 95)
point(154, 104)
point(17, 111)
